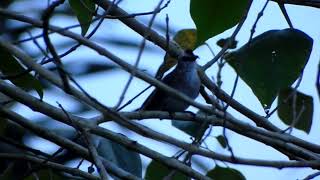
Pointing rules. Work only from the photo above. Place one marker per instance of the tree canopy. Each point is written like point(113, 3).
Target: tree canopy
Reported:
point(74, 72)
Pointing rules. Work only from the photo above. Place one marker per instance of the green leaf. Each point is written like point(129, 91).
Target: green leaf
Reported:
point(194, 129)
point(221, 173)
point(191, 128)
point(272, 61)
point(186, 38)
point(157, 171)
point(213, 17)
point(301, 103)
point(84, 10)
point(124, 158)
point(222, 141)
point(47, 174)
point(10, 66)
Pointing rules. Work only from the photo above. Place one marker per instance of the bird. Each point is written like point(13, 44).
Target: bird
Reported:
point(183, 78)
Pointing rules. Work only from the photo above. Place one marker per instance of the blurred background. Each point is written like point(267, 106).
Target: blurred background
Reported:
point(105, 81)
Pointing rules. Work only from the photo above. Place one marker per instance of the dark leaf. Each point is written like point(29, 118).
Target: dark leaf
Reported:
point(85, 68)
point(302, 117)
point(47, 174)
point(84, 10)
point(213, 17)
point(194, 129)
point(124, 158)
point(272, 61)
point(95, 67)
point(9, 66)
point(21, 170)
point(190, 128)
point(221, 173)
point(157, 171)
point(222, 141)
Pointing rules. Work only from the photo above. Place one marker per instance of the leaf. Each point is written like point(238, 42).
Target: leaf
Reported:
point(10, 66)
point(157, 171)
point(303, 106)
point(194, 129)
point(186, 38)
point(85, 68)
point(84, 10)
point(222, 141)
point(47, 174)
point(272, 61)
point(125, 159)
point(221, 173)
point(213, 17)
point(191, 128)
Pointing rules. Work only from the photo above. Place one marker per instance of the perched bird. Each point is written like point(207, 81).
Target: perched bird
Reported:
point(183, 78)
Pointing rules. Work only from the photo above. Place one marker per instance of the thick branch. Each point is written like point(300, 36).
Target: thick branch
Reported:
point(173, 49)
point(213, 120)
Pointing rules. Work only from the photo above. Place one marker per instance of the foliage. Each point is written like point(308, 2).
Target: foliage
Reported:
point(271, 64)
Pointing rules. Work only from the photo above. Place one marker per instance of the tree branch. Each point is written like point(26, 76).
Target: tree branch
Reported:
point(55, 166)
point(310, 3)
point(63, 142)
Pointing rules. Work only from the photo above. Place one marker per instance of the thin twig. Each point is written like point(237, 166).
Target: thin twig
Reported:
point(231, 39)
point(285, 14)
point(45, 17)
point(94, 154)
point(311, 176)
point(141, 49)
point(260, 14)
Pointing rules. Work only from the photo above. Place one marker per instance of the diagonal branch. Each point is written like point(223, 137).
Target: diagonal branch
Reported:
point(61, 141)
point(52, 165)
point(59, 115)
point(56, 113)
point(310, 3)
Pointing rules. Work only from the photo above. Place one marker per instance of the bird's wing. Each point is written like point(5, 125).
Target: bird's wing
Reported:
point(157, 97)
point(153, 102)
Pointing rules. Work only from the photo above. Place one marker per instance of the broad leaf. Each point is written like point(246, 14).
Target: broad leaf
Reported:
point(125, 159)
point(213, 17)
point(47, 174)
point(221, 173)
point(186, 38)
point(157, 171)
point(11, 67)
point(222, 141)
point(272, 61)
point(188, 127)
point(194, 129)
point(84, 10)
point(297, 109)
